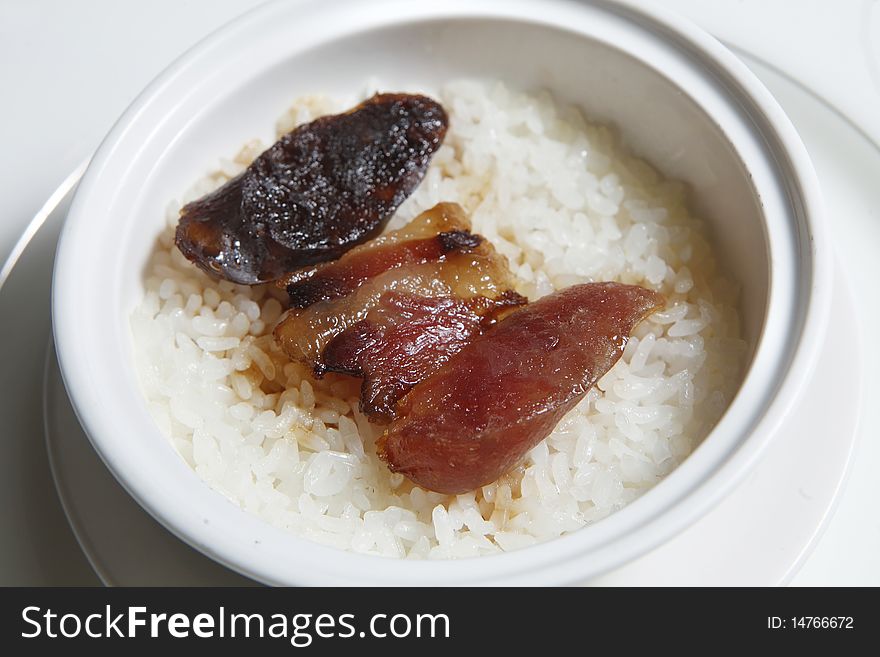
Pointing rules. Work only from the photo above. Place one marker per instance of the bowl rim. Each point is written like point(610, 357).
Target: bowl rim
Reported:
point(591, 550)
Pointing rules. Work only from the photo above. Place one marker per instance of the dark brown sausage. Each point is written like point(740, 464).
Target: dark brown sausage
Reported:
point(317, 192)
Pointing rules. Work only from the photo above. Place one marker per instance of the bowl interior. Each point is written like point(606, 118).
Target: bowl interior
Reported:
point(668, 104)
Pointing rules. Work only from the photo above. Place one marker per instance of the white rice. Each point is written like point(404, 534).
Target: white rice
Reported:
point(561, 199)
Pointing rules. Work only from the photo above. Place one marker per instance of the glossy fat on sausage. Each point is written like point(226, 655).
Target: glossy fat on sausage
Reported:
point(430, 237)
point(347, 289)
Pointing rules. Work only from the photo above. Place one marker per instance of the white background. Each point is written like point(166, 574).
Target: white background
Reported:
point(68, 69)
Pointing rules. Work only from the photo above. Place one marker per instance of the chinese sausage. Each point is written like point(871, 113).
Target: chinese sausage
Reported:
point(479, 413)
point(397, 307)
point(406, 337)
point(469, 376)
point(321, 189)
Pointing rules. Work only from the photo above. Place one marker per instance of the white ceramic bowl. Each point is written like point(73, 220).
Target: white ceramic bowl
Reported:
point(679, 98)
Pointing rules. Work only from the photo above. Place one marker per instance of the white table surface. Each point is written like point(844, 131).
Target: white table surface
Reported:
point(68, 69)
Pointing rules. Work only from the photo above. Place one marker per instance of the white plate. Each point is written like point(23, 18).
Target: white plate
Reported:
point(36, 546)
point(759, 535)
point(847, 161)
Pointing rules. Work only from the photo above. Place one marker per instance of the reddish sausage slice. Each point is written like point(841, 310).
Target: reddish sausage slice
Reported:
point(504, 392)
point(406, 338)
